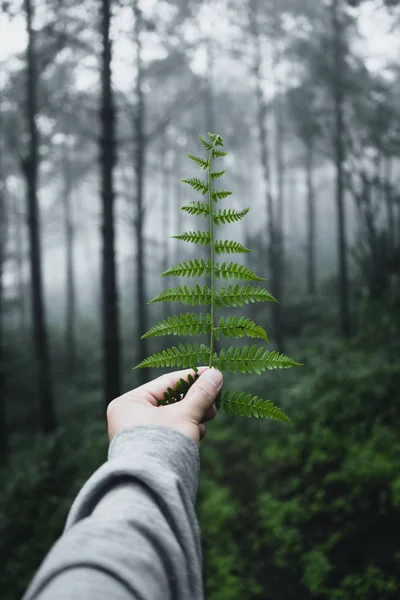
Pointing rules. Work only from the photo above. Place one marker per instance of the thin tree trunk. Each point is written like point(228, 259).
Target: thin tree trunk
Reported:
point(391, 221)
point(111, 333)
point(311, 269)
point(279, 262)
point(338, 94)
point(70, 316)
point(166, 206)
point(40, 334)
point(139, 166)
point(23, 300)
point(178, 202)
point(264, 155)
point(3, 234)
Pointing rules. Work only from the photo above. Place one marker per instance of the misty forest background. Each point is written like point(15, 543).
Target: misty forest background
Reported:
point(100, 102)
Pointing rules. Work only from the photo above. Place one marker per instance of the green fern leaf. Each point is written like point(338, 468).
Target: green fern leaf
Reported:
point(220, 194)
point(247, 405)
point(240, 295)
point(229, 215)
point(216, 174)
point(181, 389)
point(194, 237)
point(206, 144)
point(218, 153)
point(229, 247)
point(252, 359)
point(183, 324)
point(201, 162)
point(188, 295)
point(196, 268)
point(217, 139)
point(183, 357)
point(197, 184)
point(238, 328)
point(192, 268)
point(235, 271)
point(197, 208)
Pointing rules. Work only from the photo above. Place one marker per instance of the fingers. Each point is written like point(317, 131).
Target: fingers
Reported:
point(154, 390)
point(199, 399)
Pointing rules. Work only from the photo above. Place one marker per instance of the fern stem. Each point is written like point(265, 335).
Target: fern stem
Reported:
point(212, 332)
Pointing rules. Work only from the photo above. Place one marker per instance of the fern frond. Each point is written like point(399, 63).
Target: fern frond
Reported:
point(201, 162)
point(240, 295)
point(220, 194)
point(218, 153)
point(197, 184)
point(196, 268)
point(197, 208)
point(217, 139)
point(247, 405)
point(206, 144)
point(229, 247)
point(228, 215)
point(188, 295)
point(194, 237)
point(238, 328)
point(183, 356)
point(234, 271)
point(181, 389)
point(252, 360)
point(216, 174)
point(192, 268)
point(183, 324)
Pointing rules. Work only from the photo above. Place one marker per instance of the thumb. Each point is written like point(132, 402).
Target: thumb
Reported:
point(202, 394)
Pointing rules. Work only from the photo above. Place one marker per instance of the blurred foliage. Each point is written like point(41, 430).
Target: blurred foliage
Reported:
point(308, 510)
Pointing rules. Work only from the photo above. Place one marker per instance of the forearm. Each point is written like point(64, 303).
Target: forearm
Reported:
point(132, 531)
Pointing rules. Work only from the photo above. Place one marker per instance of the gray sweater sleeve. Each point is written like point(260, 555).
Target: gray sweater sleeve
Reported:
point(132, 532)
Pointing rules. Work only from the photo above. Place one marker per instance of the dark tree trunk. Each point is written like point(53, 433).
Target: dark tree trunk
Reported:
point(339, 149)
point(40, 334)
point(263, 136)
point(390, 214)
point(311, 268)
point(279, 262)
point(70, 313)
point(166, 207)
point(3, 234)
point(23, 299)
point(139, 166)
point(111, 334)
point(178, 202)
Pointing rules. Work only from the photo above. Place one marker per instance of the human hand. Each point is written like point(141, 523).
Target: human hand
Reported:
point(140, 406)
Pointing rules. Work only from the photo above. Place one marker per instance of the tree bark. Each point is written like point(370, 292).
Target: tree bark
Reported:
point(110, 308)
point(311, 269)
point(31, 167)
point(3, 234)
point(339, 149)
point(279, 255)
point(70, 313)
point(139, 166)
point(263, 136)
point(391, 219)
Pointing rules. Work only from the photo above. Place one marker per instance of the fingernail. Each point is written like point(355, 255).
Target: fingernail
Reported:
point(215, 377)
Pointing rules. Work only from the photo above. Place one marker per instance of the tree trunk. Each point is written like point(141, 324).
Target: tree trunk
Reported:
point(338, 95)
point(391, 220)
point(279, 257)
point(311, 270)
point(3, 234)
point(40, 334)
point(166, 207)
point(111, 334)
point(264, 157)
point(139, 166)
point(23, 298)
point(70, 313)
